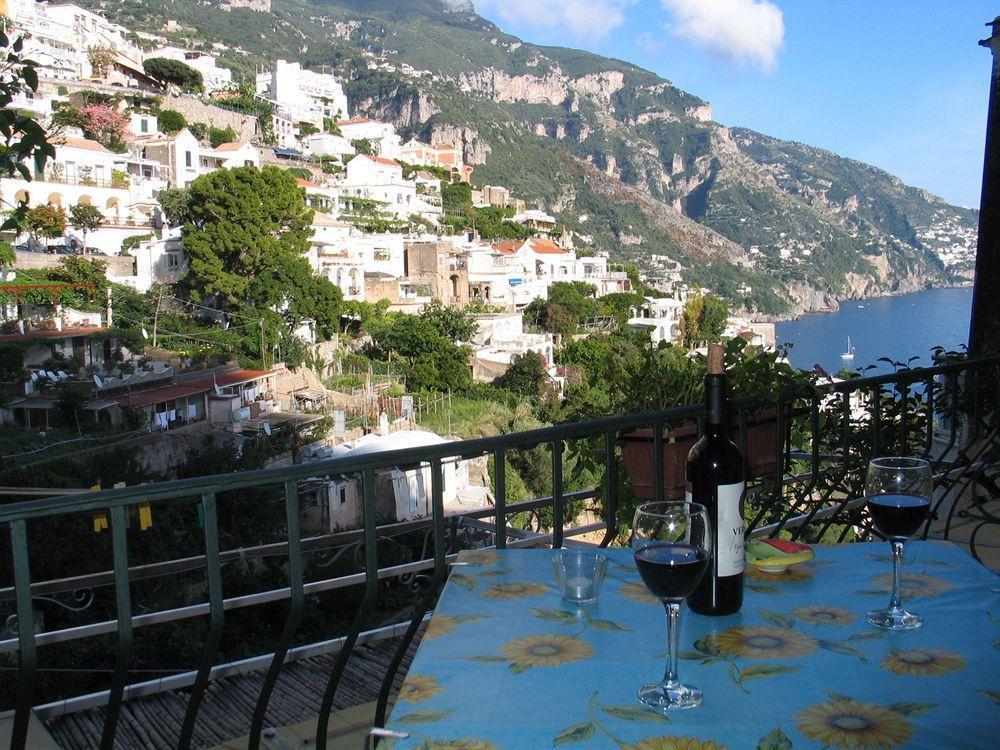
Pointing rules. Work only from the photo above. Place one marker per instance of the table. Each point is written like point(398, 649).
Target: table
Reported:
point(505, 664)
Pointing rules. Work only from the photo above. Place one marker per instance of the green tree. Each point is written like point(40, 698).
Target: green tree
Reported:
point(173, 71)
point(174, 204)
point(246, 238)
point(171, 121)
point(85, 218)
point(363, 146)
point(70, 401)
point(526, 375)
point(703, 320)
point(456, 198)
point(23, 140)
point(46, 221)
point(431, 344)
point(307, 128)
point(11, 363)
point(218, 136)
point(452, 323)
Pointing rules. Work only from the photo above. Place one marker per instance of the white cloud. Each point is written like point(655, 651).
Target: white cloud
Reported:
point(649, 43)
point(744, 31)
point(582, 20)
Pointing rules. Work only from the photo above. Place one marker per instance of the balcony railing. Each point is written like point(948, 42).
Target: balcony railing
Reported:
point(820, 441)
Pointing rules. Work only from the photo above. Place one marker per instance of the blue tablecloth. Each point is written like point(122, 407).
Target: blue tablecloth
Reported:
point(506, 664)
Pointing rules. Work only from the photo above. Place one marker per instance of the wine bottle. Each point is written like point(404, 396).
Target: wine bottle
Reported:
point(715, 479)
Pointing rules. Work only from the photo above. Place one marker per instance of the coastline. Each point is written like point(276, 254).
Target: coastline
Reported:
point(789, 317)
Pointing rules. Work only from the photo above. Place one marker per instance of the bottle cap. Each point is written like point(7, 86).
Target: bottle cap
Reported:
point(716, 359)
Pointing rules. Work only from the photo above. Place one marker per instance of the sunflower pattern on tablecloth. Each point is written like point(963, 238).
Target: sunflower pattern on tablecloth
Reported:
point(923, 662)
point(514, 590)
point(848, 724)
point(418, 687)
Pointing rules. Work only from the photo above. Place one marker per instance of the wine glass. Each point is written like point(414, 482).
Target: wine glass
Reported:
point(672, 546)
point(898, 491)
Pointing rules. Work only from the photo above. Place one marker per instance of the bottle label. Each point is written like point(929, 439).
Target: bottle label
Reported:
point(729, 544)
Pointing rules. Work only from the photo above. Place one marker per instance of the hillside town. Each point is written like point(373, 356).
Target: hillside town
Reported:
point(395, 227)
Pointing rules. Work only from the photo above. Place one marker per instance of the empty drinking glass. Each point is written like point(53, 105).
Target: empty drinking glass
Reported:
point(579, 574)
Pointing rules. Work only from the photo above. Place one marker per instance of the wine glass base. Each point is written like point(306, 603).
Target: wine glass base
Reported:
point(889, 619)
point(663, 698)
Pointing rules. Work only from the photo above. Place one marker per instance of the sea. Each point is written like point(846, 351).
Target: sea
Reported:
point(898, 328)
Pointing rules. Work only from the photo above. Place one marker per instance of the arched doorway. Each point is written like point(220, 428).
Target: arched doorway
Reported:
point(111, 210)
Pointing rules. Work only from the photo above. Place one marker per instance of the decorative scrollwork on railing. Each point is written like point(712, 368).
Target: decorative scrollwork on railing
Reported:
point(81, 600)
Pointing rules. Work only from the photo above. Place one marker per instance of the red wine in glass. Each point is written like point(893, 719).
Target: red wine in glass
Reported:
point(898, 490)
point(898, 516)
point(671, 571)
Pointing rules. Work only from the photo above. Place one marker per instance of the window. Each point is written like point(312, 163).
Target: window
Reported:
point(187, 158)
point(342, 494)
point(143, 125)
point(172, 260)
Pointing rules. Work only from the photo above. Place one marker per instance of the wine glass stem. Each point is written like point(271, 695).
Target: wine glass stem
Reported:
point(673, 630)
point(895, 604)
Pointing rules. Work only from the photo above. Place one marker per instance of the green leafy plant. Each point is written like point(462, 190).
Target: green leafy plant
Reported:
point(171, 121)
point(23, 140)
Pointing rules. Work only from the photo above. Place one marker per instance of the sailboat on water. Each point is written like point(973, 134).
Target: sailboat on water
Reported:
point(849, 354)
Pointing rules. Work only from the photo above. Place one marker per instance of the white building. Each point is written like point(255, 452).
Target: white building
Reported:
point(536, 220)
point(757, 334)
point(61, 34)
point(214, 78)
point(159, 260)
point(382, 135)
point(185, 159)
point(380, 179)
point(661, 317)
point(405, 494)
point(122, 186)
point(500, 338)
point(499, 278)
point(179, 153)
point(230, 155)
point(303, 95)
point(331, 255)
point(327, 144)
point(143, 124)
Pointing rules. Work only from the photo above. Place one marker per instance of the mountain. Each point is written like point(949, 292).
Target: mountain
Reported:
point(623, 157)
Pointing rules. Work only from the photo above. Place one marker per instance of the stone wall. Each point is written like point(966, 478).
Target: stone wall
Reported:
point(118, 265)
point(196, 111)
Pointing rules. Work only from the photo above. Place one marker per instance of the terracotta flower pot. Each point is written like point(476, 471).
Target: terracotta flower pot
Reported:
point(637, 454)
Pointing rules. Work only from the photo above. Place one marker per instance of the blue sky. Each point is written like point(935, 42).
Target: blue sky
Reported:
point(901, 85)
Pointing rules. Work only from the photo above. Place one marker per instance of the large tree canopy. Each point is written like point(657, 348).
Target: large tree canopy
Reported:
point(173, 71)
point(246, 237)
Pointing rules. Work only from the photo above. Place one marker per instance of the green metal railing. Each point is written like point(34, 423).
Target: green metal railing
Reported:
point(822, 438)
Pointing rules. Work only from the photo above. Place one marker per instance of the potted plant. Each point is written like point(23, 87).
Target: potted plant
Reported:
point(666, 382)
